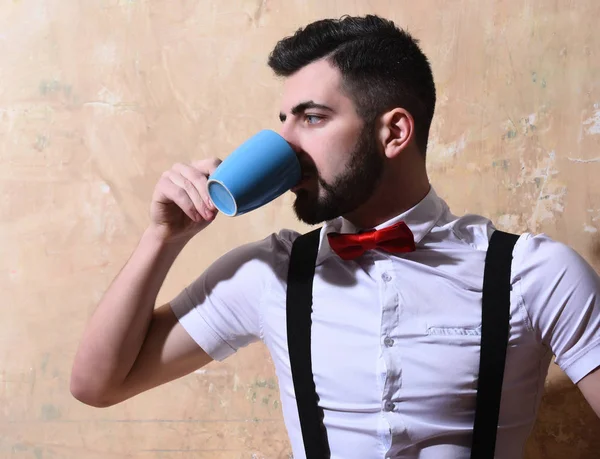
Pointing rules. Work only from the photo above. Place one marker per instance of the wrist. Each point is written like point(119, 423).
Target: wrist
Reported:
point(157, 238)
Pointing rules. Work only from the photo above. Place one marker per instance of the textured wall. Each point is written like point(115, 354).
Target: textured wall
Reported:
point(98, 97)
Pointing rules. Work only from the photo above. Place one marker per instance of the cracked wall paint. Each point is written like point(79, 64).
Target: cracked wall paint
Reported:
point(592, 124)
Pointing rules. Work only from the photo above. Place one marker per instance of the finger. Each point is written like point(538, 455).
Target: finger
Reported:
point(212, 165)
point(179, 196)
point(207, 166)
point(190, 188)
point(198, 179)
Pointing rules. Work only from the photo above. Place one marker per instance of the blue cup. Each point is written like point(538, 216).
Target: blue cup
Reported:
point(264, 167)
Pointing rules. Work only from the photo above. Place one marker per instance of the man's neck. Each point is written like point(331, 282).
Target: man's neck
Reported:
point(390, 199)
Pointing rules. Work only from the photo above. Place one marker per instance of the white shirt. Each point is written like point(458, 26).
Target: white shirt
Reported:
point(396, 337)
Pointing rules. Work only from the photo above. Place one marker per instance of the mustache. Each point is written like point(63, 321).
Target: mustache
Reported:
point(307, 171)
point(307, 165)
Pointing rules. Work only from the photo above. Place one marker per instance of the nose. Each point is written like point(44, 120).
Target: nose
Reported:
point(287, 133)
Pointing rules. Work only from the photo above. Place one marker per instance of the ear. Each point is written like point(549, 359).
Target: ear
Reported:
point(397, 131)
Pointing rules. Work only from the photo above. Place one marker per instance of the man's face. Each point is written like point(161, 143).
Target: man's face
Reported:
point(340, 157)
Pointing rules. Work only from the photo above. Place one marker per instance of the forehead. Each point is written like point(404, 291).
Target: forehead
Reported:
point(319, 82)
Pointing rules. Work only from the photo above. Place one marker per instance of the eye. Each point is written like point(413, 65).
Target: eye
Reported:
point(312, 119)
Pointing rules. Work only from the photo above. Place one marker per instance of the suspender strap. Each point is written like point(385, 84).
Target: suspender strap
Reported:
point(494, 342)
point(299, 308)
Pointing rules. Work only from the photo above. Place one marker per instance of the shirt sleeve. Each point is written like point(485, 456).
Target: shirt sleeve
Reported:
point(221, 309)
point(561, 293)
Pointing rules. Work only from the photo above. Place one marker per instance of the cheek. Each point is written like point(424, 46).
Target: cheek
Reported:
point(330, 148)
point(328, 159)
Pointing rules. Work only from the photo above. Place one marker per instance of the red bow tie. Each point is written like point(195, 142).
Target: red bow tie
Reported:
point(397, 238)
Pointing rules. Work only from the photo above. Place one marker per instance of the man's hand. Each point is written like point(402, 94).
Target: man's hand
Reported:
point(180, 205)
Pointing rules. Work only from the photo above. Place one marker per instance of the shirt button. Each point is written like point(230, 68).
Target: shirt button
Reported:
point(386, 277)
point(388, 405)
point(389, 342)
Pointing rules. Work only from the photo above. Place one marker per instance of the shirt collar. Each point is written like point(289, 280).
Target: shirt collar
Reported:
point(420, 219)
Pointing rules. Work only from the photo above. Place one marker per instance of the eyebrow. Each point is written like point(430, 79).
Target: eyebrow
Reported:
point(302, 107)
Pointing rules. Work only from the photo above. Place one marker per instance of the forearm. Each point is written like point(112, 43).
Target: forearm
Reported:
point(117, 329)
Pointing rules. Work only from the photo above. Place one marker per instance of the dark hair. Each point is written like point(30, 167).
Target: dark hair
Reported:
point(382, 66)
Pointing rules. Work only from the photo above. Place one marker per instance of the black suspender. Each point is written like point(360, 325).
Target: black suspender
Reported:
point(494, 341)
point(299, 308)
point(495, 317)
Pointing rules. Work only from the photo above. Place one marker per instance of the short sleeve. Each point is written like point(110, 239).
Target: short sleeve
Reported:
point(561, 293)
point(221, 309)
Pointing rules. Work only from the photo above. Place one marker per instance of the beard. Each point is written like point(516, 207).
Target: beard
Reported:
point(349, 190)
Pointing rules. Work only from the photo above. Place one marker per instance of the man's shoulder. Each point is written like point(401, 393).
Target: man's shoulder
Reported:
point(468, 230)
point(534, 250)
point(269, 252)
point(548, 266)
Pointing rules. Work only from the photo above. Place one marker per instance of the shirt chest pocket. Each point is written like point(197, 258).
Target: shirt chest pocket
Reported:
point(452, 353)
point(454, 331)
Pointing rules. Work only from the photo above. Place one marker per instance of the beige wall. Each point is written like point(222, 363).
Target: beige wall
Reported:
point(98, 97)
